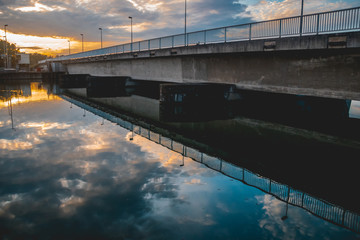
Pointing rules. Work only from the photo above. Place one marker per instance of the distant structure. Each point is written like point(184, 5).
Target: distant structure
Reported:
point(23, 64)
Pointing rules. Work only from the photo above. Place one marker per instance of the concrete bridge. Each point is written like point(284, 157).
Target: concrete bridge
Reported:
point(315, 55)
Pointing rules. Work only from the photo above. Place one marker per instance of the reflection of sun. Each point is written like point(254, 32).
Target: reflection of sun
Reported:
point(37, 94)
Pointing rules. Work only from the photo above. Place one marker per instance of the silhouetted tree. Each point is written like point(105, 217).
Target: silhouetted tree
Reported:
point(35, 58)
point(11, 50)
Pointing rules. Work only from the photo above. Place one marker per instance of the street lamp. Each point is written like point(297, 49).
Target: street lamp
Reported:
point(131, 33)
point(301, 18)
point(6, 49)
point(100, 36)
point(82, 42)
point(185, 27)
point(69, 46)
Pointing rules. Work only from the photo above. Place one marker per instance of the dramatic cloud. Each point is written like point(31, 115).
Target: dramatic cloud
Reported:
point(273, 9)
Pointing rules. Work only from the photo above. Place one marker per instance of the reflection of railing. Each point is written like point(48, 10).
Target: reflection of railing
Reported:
point(318, 207)
point(325, 22)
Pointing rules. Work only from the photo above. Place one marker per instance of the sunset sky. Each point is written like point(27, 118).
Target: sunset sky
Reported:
point(45, 26)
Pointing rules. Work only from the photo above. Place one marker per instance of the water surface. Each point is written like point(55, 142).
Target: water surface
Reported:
point(66, 173)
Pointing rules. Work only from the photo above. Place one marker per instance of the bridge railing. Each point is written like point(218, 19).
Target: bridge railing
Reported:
point(319, 23)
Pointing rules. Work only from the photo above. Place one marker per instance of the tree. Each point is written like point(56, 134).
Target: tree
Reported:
point(11, 51)
point(35, 58)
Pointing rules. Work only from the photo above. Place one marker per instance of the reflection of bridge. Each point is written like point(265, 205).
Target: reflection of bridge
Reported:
point(320, 208)
point(321, 59)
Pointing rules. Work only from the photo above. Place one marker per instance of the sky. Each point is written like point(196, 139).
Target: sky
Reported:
point(46, 26)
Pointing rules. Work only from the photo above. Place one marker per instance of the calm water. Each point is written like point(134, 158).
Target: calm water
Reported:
point(66, 173)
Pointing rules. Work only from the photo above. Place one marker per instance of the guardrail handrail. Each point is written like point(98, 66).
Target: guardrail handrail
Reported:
point(310, 24)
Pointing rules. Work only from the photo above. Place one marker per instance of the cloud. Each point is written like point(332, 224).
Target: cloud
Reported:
point(38, 7)
point(267, 10)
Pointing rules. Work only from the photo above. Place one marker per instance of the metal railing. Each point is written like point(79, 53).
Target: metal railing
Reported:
point(320, 208)
point(312, 24)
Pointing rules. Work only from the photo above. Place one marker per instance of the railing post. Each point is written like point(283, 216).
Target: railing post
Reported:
point(318, 24)
point(205, 37)
point(250, 31)
point(302, 200)
point(280, 28)
point(149, 45)
point(343, 217)
point(225, 33)
point(159, 43)
point(139, 46)
point(172, 41)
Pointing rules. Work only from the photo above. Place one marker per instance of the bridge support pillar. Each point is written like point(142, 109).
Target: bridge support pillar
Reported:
point(181, 102)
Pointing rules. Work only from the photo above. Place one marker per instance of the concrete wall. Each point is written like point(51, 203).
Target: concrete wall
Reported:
point(326, 65)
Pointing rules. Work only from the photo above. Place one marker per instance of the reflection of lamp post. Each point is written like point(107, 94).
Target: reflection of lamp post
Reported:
point(287, 206)
point(102, 122)
point(84, 113)
point(100, 37)
point(183, 163)
point(70, 105)
point(301, 17)
point(183, 156)
point(82, 42)
point(286, 212)
point(132, 133)
point(11, 114)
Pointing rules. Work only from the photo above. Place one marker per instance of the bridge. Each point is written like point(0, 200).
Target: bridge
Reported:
point(315, 55)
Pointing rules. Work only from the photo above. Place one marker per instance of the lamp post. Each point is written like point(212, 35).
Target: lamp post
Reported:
point(82, 42)
point(131, 48)
point(185, 38)
point(100, 37)
point(301, 18)
point(69, 46)
point(6, 49)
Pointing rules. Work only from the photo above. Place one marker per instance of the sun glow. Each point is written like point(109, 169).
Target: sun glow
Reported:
point(37, 94)
point(48, 45)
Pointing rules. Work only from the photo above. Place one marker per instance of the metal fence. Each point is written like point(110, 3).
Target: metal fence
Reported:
point(326, 22)
point(320, 208)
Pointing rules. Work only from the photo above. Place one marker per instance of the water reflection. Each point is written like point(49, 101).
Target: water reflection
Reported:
point(354, 111)
point(66, 176)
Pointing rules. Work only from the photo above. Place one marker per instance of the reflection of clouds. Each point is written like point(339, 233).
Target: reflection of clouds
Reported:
point(83, 179)
point(43, 126)
point(16, 144)
point(296, 226)
point(354, 111)
point(193, 181)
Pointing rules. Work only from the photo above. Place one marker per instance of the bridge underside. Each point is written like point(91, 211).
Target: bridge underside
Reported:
point(325, 66)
